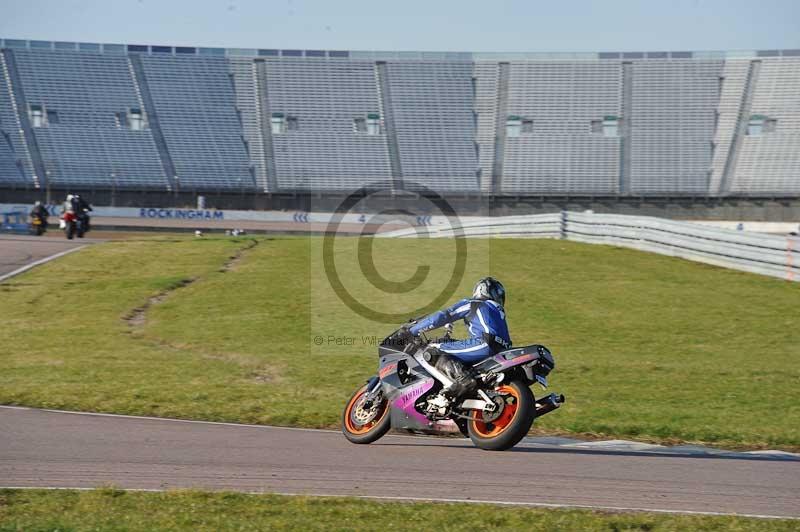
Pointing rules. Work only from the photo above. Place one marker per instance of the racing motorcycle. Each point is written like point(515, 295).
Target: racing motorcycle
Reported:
point(75, 224)
point(405, 394)
point(39, 224)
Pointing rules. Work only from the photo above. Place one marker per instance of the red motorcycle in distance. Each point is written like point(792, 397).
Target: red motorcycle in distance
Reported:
point(75, 224)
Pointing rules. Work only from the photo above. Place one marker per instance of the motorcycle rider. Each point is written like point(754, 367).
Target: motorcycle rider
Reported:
point(39, 212)
point(81, 208)
point(68, 205)
point(485, 318)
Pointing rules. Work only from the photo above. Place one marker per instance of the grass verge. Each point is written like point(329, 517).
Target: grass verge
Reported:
point(117, 510)
point(647, 347)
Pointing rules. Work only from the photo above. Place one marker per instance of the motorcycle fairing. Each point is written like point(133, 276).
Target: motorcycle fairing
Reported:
point(516, 357)
point(405, 382)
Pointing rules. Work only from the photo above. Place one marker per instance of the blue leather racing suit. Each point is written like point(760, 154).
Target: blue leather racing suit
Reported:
point(486, 322)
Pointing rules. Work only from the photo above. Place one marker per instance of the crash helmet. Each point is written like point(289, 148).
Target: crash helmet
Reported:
point(490, 288)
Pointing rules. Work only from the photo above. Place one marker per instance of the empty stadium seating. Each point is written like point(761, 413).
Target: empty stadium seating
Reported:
point(15, 165)
point(673, 106)
point(194, 99)
point(432, 105)
point(10, 165)
point(162, 118)
point(769, 163)
point(324, 149)
point(559, 152)
point(81, 96)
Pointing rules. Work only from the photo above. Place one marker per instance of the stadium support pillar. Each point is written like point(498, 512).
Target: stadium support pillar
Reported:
point(382, 73)
point(152, 119)
point(21, 104)
point(265, 120)
point(503, 73)
point(624, 186)
point(741, 128)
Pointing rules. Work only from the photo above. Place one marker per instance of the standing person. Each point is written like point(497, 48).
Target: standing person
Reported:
point(39, 216)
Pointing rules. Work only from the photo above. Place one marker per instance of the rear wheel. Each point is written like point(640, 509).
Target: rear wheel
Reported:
point(504, 429)
point(365, 425)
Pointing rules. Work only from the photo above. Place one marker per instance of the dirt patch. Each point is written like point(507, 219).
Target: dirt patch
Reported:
point(258, 371)
point(234, 259)
point(266, 375)
point(137, 317)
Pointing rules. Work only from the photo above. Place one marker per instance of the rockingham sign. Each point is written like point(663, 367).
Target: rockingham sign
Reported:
point(181, 214)
point(214, 215)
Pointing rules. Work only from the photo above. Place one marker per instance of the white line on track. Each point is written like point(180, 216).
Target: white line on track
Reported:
point(39, 262)
point(436, 500)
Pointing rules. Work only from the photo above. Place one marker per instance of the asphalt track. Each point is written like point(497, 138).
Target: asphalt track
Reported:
point(18, 251)
point(40, 448)
point(134, 224)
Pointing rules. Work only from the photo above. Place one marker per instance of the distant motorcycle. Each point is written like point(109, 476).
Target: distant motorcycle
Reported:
point(405, 395)
point(38, 224)
point(75, 224)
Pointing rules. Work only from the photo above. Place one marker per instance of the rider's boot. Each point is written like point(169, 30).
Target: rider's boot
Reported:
point(462, 375)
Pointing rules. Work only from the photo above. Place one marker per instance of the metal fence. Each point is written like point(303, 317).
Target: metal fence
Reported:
point(773, 255)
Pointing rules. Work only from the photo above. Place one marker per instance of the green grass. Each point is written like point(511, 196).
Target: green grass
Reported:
point(647, 347)
point(116, 510)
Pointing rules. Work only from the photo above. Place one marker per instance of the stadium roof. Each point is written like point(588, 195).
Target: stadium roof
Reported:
point(383, 55)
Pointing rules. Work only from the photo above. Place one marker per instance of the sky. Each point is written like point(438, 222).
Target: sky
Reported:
point(434, 25)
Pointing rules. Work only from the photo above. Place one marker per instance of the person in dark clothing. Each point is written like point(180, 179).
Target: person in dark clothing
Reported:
point(39, 216)
point(485, 319)
point(82, 210)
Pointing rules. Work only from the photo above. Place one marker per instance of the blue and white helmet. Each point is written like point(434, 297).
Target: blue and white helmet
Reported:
point(490, 288)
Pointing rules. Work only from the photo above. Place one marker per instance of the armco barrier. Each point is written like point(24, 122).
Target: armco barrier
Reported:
point(776, 256)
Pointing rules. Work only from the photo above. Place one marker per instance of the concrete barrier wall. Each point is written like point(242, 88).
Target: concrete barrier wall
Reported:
point(773, 255)
point(766, 254)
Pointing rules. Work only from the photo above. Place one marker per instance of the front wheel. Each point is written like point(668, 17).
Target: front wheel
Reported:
point(504, 429)
point(365, 425)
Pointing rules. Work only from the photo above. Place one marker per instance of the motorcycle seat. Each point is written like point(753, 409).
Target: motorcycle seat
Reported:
point(509, 354)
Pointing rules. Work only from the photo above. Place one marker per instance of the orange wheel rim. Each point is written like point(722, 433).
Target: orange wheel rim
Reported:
point(355, 428)
point(490, 429)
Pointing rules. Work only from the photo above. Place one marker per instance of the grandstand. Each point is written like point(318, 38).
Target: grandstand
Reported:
point(162, 120)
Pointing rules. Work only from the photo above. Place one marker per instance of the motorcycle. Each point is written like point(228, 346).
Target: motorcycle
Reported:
point(39, 226)
point(405, 394)
point(75, 224)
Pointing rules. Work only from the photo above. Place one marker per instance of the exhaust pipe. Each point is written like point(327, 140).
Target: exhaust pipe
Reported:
point(548, 404)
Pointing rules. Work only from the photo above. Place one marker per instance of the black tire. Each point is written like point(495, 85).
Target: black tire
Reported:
point(353, 431)
point(462, 426)
point(495, 438)
point(70, 230)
